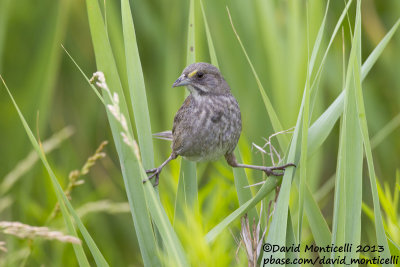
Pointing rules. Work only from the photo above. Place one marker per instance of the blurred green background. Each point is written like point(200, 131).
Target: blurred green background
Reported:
point(52, 94)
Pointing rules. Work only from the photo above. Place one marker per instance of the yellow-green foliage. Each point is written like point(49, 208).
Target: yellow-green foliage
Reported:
point(286, 63)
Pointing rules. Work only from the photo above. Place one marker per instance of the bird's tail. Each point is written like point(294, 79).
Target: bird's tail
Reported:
point(166, 135)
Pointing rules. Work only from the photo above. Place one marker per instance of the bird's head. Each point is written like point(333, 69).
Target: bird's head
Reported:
point(202, 79)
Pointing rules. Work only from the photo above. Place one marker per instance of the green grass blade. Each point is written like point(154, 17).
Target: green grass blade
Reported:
point(386, 130)
point(134, 167)
point(379, 228)
point(270, 184)
point(321, 128)
point(305, 127)
point(348, 194)
point(303, 160)
point(318, 225)
point(339, 196)
point(373, 57)
point(306, 117)
point(354, 157)
point(317, 43)
point(137, 91)
point(133, 183)
point(157, 212)
point(242, 186)
point(187, 195)
point(84, 75)
point(211, 49)
point(62, 199)
point(4, 12)
point(291, 239)
point(316, 220)
point(239, 174)
point(335, 31)
point(160, 219)
point(331, 115)
point(277, 233)
point(137, 87)
point(191, 47)
point(394, 248)
point(272, 40)
point(276, 124)
point(26, 164)
point(48, 62)
point(164, 226)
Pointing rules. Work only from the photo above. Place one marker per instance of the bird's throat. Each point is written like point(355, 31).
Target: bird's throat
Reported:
point(196, 90)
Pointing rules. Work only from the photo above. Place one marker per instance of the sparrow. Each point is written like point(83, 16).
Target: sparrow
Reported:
point(208, 124)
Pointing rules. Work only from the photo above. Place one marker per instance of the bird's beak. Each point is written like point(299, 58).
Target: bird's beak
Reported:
point(181, 81)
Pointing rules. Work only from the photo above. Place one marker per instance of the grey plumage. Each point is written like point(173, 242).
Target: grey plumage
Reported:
point(208, 124)
point(206, 127)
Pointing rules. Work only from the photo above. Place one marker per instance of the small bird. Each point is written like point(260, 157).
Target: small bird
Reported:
point(208, 124)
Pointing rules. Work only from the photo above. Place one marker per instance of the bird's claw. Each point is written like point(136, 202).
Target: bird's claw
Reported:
point(151, 170)
point(154, 173)
point(270, 170)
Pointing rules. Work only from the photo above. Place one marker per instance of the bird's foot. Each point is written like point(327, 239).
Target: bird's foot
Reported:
point(154, 173)
point(271, 170)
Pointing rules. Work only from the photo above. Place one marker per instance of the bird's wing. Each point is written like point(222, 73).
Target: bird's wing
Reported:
point(166, 135)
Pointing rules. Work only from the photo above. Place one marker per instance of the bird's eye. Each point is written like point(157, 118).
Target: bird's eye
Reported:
point(200, 74)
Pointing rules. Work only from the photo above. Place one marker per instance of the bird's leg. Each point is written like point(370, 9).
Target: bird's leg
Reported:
point(231, 159)
point(156, 171)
